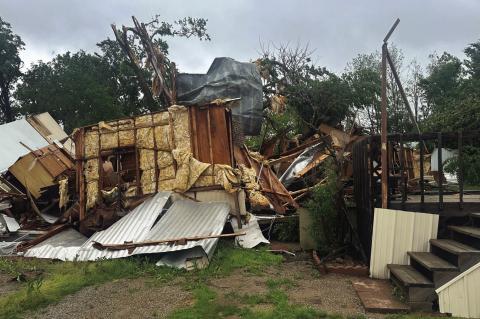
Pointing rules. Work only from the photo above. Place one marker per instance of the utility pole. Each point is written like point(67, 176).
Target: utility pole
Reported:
point(384, 128)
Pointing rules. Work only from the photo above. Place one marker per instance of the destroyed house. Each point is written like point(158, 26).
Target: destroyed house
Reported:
point(188, 150)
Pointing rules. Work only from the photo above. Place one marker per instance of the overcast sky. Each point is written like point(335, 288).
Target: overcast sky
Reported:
point(338, 30)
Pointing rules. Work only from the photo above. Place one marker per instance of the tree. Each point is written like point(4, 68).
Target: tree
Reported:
point(363, 75)
point(82, 88)
point(364, 80)
point(312, 94)
point(75, 88)
point(10, 64)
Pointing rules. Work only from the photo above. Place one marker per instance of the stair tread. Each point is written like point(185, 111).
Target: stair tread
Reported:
point(409, 276)
point(430, 261)
point(453, 246)
point(467, 230)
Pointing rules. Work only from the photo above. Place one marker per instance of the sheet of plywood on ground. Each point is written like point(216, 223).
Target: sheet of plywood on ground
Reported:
point(271, 187)
point(377, 296)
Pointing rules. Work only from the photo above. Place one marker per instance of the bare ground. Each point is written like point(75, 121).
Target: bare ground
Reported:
point(134, 298)
point(8, 284)
point(142, 298)
point(330, 293)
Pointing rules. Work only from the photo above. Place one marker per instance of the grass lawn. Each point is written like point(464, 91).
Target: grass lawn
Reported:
point(47, 282)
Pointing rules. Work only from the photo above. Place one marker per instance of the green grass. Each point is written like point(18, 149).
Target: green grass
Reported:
point(54, 280)
point(45, 282)
point(209, 305)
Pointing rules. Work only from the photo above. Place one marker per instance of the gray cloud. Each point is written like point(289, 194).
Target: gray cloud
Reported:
point(338, 30)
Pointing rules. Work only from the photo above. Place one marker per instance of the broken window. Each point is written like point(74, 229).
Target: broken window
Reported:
point(119, 166)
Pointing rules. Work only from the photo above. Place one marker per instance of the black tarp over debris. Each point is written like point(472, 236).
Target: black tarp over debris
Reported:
point(225, 79)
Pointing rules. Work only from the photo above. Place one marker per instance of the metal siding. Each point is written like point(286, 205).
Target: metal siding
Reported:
point(63, 246)
point(11, 134)
point(394, 234)
point(186, 219)
point(132, 227)
point(461, 295)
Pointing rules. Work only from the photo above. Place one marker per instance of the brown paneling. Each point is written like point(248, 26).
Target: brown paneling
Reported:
point(212, 141)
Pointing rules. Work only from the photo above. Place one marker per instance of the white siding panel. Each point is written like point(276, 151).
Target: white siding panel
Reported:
point(397, 232)
point(461, 295)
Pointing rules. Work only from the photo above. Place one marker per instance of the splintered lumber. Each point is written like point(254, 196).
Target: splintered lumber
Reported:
point(304, 190)
point(177, 241)
point(317, 160)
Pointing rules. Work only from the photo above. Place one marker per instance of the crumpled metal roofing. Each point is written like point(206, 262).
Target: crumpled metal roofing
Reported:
point(63, 246)
point(11, 134)
point(186, 218)
point(299, 163)
point(132, 227)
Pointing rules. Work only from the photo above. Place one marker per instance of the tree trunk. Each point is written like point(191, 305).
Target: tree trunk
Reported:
point(5, 104)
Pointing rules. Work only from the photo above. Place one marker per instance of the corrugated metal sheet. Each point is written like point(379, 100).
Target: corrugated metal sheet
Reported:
point(394, 234)
point(132, 227)
point(9, 222)
point(461, 295)
point(63, 246)
point(187, 219)
point(11, 134)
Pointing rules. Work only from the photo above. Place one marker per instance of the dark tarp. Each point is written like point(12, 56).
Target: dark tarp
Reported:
point(226, 79)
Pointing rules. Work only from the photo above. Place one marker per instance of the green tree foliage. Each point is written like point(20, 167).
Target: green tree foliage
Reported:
point(74, 88)
point(313, 94)
point(363, 75)
point(10, 64)
point(82, 88)
point(452, 92)
point(324, 209)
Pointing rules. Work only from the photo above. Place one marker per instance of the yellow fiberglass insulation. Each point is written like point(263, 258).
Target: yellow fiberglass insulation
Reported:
point(145, 138)
point(92, 194)
point(91, 170)
point(91, 144)
point(63, 192)
point(143, 120)
point(148, 181)
point(166, 173)
point(147, 159)
point(188, 169)
point(164, 159)
point(226, 176)
point(161, 118)
point(166, 185)
point(127, 138)
point(108, 140)
point(181, 126)
point(249, 178)
point(163, 138)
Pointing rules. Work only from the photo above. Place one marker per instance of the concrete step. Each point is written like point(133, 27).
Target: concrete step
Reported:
point(460, 255)
point(438, 270)
point(419, 291)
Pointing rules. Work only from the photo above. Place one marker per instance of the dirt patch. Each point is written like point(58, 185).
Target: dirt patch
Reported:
point(8, 284)
point(134, 298)
point(331, 293)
